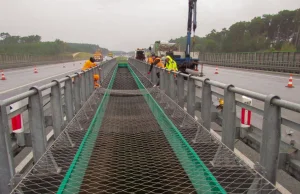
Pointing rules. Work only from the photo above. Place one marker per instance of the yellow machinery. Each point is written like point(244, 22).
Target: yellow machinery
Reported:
point(98, 56)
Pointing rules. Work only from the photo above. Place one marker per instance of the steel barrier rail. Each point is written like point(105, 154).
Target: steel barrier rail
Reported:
point(270, 61)
point(272, 120)
point(74, 95)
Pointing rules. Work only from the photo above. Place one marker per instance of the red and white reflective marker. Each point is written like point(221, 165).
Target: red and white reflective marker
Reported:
point(16, 121)
point(246, 114)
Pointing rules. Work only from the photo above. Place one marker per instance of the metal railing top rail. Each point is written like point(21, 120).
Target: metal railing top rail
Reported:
point(262, 97)
point(67, 96)
point(272, 119)
point(31, 92)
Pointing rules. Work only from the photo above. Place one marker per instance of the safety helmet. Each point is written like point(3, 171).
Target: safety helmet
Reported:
point(92, 59)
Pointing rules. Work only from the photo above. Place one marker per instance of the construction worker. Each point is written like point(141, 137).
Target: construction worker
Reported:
point(150, 58)
point(90, 64)
point(157, 61)
point(171, 64)
point(221, 104)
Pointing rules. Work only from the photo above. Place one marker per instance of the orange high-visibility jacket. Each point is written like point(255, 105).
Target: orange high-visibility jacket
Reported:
point(88, 64)
point(158, 62)
point(150, 60)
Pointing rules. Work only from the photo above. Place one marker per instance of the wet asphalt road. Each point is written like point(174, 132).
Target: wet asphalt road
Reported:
point(20, 80)
point(261, 82)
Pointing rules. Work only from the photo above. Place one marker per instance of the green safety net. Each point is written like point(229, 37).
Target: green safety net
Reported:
point(199, 175)
point(73, 178)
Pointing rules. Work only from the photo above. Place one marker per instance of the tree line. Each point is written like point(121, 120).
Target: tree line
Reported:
point(278, 32)
point(33, 45)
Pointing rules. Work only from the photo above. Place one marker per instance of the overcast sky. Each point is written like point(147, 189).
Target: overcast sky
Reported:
point(126, 24)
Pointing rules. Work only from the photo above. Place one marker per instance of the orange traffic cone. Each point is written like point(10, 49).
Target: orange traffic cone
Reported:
point(3, 76)
point(35, 70)
point(290, 84)
point(216, 72)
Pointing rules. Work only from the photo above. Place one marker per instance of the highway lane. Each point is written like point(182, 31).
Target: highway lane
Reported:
point(261, 82)
point(20, 80)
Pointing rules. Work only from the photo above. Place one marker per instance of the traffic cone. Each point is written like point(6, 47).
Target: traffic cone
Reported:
point(35, 70)
point(290, 84)
point(216, 72)
point(3, 76)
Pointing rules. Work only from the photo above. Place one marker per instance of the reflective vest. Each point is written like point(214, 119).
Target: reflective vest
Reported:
point(159, 64)
point(88, 64)
point(171, 64)
point(150, 60)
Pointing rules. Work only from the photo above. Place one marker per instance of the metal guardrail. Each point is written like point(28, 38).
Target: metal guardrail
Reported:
point(67, 96)
point(270, 61)
point(272, 120)
point(14, 61)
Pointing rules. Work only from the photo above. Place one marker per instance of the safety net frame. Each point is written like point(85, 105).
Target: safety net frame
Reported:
point(233, 174)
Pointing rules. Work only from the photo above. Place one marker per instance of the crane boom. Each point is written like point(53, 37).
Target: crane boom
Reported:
point(192, 25)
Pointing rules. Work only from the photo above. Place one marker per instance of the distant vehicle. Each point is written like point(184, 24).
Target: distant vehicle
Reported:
point(107, 58)
point(98, 56)
point(110, 54)
point(140, 54)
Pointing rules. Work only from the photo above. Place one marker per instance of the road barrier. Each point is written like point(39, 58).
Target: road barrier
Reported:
point(64, 98)
point(15, 61)
point(269, 61)
point(270, 139)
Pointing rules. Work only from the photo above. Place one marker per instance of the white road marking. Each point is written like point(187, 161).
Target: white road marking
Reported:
point(29, 156)
point(36, 82)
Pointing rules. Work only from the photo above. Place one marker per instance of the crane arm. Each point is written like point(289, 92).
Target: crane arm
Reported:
point(192, 24)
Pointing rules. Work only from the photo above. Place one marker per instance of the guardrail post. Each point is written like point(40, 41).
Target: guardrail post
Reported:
point(98, 71)
point(172, 86)
point(77, 92)
point(101, 73)
point(7, 166)
point(90, 82)
point(167, 83)
point(191, 96)
point(206, 104)
point(180, 90)
point(271, 136)
point(154, 80)
point(87, 83)
point(162, 79)
point(152, 75)
point(229, 117)
point(69, 99)
point(36, 124)
point(82, 87)
point(56, 108)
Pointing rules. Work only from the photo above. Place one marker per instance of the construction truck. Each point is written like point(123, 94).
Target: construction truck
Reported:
point(172, 49)
point(98, 56)
point(140, 54)
point(165, 48)
point(110, 54)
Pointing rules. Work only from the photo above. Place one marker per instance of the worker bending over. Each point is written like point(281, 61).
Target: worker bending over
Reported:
point(150, 59)
point(90, 64)
point(157, 61)
point(171, 64)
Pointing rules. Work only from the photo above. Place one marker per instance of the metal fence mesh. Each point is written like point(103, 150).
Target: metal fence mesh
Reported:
point(132, 153)
point(47, 174)
point(132, 145)
point(231, 172)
